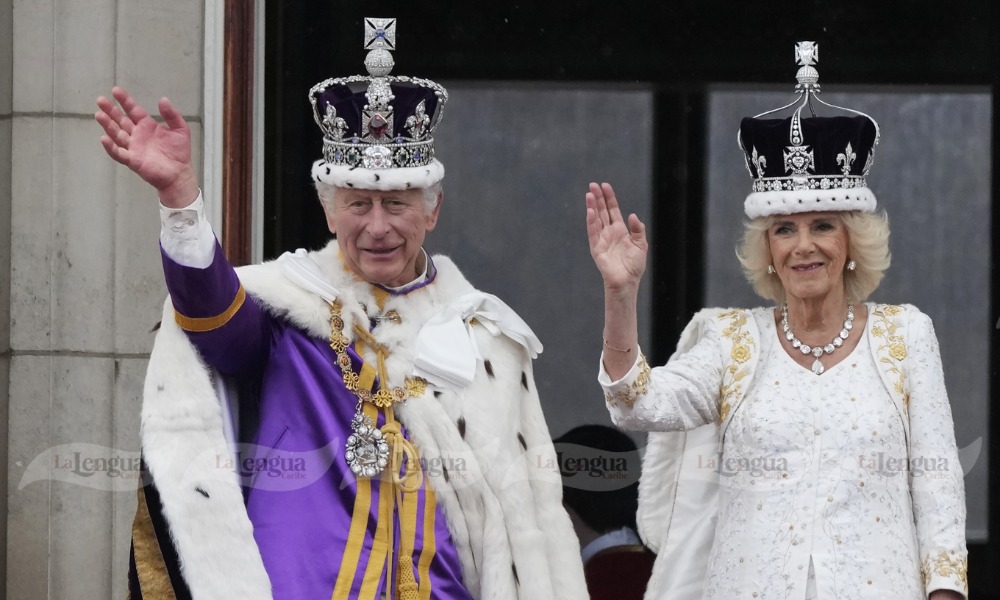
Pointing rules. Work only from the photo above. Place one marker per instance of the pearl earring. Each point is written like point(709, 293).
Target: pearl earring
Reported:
point(851, 265)
point(770, 270)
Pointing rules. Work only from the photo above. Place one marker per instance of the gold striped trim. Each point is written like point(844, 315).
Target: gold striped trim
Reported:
point(366, 378)
point(359, 526)
point(430, 543)
point(150, 567)
point(381, 553)
point(408, 522)
point(380, 297)
point(201, 324)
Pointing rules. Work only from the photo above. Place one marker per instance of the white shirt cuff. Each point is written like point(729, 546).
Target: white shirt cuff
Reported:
point(605, 380)
point(186, 236)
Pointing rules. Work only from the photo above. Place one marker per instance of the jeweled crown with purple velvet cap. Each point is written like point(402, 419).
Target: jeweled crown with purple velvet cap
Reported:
point(808, 164)
point(377, 128)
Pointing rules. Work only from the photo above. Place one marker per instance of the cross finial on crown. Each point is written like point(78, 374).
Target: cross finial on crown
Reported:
point(380, 33)
point(806, 53)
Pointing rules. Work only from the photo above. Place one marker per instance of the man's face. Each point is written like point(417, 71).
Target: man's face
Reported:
point(380, 233)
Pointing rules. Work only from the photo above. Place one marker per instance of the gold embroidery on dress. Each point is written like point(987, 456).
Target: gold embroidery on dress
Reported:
point(946, 564)
point(893, 348)
point(735, 371)
point(628, 395)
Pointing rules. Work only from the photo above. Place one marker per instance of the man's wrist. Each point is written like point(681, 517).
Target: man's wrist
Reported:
point(181, 193)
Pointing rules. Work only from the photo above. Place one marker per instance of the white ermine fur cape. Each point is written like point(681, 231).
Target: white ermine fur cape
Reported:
point(504, 510)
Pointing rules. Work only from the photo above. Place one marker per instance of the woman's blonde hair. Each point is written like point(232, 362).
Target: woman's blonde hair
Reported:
point(867, 246)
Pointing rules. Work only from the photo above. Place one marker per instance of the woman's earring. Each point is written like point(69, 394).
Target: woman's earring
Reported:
point(771, 271)
point(851, 265)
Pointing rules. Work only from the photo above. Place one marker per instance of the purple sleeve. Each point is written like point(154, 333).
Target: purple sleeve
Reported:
point(203, 298)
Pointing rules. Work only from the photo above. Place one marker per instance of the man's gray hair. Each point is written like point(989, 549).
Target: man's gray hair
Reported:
point(328, 192)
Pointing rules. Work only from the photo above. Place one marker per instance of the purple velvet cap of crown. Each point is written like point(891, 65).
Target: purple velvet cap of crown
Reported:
point(349, 101)
point(825, 171)
point(827, 137)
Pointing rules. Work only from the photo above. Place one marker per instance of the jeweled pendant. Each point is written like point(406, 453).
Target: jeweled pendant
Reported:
point(817, 367)
point(367, 452)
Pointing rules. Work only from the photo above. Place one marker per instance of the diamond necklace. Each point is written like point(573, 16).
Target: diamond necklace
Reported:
point(817, 366)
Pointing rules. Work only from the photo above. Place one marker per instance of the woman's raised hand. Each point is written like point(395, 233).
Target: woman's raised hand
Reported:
point(159, 153)
point(619, 249)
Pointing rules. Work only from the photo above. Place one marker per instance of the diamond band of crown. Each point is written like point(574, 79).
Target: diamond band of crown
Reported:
point(374, 143)
point(775, 184)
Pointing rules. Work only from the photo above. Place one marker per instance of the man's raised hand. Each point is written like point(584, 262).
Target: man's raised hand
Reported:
point(159, 153)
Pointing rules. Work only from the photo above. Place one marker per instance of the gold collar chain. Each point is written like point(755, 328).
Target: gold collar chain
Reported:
point(387, 395)
point(370, 450)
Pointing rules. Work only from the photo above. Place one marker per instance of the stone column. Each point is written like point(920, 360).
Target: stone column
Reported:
point(83, 274)
point(6, 62)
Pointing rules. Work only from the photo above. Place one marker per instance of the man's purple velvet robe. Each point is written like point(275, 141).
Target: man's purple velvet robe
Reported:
point(301, 494)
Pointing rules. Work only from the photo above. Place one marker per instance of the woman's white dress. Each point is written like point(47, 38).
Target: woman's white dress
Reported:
point(820, 497)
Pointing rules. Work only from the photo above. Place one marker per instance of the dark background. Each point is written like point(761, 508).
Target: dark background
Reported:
point(678, 49)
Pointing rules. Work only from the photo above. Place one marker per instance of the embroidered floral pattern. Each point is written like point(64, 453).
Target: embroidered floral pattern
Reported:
point(893, 348)
point(629, 394)
point(810, 493)
point(740, 354)
point(734, 372)
point(946, 564)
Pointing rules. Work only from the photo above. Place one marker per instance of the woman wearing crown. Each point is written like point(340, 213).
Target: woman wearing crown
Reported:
point(800, 438)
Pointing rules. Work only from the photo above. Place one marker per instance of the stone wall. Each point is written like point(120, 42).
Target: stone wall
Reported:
point(79, 275)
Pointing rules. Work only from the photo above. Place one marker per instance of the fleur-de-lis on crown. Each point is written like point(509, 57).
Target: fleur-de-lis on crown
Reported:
point(845, 159)
point(759, 162)
point(417, 123)
point(333, 125)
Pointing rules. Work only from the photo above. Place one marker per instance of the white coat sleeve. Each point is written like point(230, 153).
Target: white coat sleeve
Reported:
point(936, 476)
point(681, 395)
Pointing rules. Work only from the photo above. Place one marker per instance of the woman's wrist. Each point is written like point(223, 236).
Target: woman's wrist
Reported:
point(621, 293)
point(628, 348)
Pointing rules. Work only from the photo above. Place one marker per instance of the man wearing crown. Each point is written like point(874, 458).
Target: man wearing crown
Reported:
point(395, 446)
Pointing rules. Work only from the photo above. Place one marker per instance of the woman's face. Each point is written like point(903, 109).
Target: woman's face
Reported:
point(809, 251)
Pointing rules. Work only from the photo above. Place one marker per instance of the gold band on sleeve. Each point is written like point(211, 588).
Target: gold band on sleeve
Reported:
point(201, 324)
